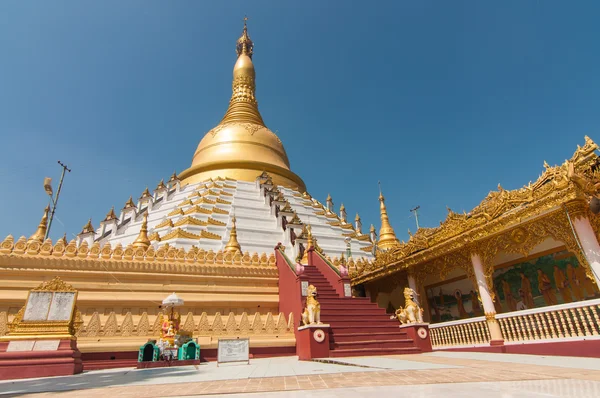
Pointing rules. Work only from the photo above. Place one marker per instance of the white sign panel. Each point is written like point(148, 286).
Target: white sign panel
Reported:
point(46, 345)
point(304, 287)
point(347, 290)
point(20, 345)
point(62, 306)
point(233, 350)
point(37, 306)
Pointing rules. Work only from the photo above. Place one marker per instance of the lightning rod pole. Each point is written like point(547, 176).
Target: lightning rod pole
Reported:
point(416, 212)
point(55, 200)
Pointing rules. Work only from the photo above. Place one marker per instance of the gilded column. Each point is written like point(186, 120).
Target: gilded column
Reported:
point(488, 302)
point(586, 236)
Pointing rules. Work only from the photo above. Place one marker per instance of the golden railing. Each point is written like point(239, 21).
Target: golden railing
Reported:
point(465, 332)
point(564, 321)
point(579, 320)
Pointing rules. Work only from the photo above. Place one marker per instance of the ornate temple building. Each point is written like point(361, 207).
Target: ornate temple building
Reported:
point(207, 233)
point(232, 233)
point(489, 275)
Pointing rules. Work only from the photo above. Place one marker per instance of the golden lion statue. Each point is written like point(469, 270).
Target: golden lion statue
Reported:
point(312, 312)
point(411, 313)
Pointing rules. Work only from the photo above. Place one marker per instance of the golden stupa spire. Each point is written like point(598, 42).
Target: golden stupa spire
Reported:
point(233, 246)
point(243, 107)
point(387, 236)
point(40, 232)
point(241, 146)
point(142, 239)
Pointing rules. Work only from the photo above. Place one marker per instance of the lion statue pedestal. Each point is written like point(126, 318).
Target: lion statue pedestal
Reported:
point(411, 321)
point(312, 337)
point(312, 341)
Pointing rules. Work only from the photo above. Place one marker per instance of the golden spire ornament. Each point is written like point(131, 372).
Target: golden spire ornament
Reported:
point(309, 244)
point(129, 204)
point(111, 215)
point(387, 236)
point(145, 194)
point(161, 185)
point(142, 239)
point(88, 228)
point(233, 246)
point(63, 240)
point(40, 232)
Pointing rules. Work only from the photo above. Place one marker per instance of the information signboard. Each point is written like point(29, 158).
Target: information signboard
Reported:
point(233, 350)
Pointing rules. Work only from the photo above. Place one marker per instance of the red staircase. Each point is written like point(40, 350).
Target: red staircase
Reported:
point(358, 327)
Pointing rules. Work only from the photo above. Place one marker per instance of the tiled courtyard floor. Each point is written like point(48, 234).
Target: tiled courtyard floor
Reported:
point(458, 374)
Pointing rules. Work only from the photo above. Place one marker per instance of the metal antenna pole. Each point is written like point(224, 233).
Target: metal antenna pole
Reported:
point(416, 213)
point(55, 200)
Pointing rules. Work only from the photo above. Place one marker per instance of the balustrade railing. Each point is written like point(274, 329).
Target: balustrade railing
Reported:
point(579, 320)
point(564, 321)
point(465, 332)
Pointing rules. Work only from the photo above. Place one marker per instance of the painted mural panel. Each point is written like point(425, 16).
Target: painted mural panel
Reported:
point(550, 279)
point(453, 300)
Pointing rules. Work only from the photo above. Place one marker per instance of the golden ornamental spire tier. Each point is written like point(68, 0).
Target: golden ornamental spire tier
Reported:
point(387, 236)
point(233, 246)
point(142, 239)
point(40, 232)
point(241, 146)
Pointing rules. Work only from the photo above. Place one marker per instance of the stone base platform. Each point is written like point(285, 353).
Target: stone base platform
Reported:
point(167, 364)
point(22, 359)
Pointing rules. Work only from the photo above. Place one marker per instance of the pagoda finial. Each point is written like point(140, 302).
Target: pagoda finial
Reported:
point(145, 194)
point(244, 44)
point(161, 185)
point(40, 232)
point(63, 240)
point(88, 228)
point(233, 246)
point(358, 224)
point(243, 107)
point(129, 204)
point(142, 239)
point(387, 236)
point(111, 215)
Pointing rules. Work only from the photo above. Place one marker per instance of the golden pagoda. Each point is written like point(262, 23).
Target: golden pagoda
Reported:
point(387, 236)
point(241, 146)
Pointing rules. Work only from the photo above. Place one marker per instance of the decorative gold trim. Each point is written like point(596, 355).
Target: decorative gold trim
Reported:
point(210, 235)
point(189, 220)
point(212, 221)
point(197, 209)
point(179, 233)
point(176, 212)
point(165, 223)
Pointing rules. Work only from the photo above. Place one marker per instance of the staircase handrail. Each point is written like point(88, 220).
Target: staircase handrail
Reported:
point(290, 287)
point(333, 267)
point(287, 260)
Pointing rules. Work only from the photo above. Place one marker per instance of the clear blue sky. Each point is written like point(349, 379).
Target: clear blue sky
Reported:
point(440, 100)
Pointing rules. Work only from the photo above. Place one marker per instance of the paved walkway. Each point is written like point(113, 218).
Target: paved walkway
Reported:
point(456, 374)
